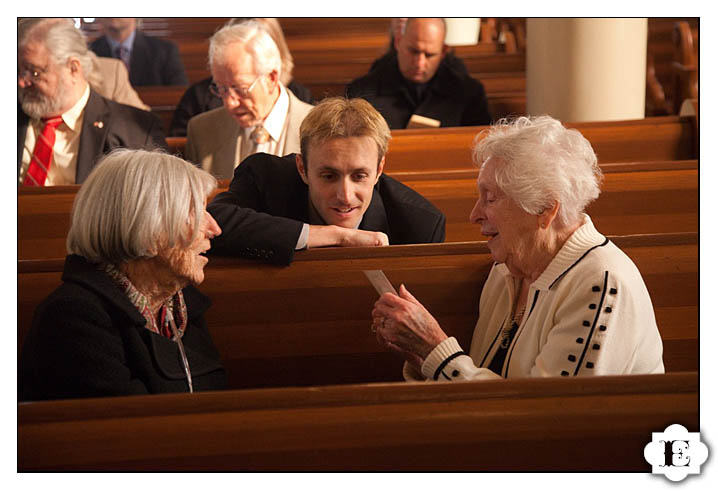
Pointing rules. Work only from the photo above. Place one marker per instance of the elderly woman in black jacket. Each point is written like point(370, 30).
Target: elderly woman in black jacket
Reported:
point(127, 318)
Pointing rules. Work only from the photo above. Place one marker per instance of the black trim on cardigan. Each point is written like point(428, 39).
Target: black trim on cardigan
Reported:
point(505, 370)
point(577, 261)
point(593, 327)
point(498, 333)
point(441, 367)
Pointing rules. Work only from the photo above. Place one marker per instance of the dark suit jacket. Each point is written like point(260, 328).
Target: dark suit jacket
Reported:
point(452, 96)
point(198, 99)
point(88, 340)
point(262, 213)
point(106, 125)
point(153, 61)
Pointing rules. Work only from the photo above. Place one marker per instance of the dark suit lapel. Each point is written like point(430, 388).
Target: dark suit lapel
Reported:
point(95, 125)
point(139, 61)
point(102, 47)
point(375, 218)
point(298, 202)
point(22, 122)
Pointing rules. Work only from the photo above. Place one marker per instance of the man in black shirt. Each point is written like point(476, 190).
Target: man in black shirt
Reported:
point(419, 80)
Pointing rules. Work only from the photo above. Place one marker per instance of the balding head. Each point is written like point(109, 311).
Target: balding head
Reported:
point(421, 48)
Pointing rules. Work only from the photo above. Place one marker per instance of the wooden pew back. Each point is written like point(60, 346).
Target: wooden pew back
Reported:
point(664, 138)
point(508, 425)
point(308, 324)
point(658, 196)
point(441, 149)
point(638, 189)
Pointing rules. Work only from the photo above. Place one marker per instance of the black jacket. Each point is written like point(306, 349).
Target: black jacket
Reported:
point(153, 61)
point(262, 213)
point(88, 340)
point(106, 125)
point(452, 96)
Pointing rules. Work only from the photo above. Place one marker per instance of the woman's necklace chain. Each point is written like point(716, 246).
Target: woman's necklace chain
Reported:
point(508, 329)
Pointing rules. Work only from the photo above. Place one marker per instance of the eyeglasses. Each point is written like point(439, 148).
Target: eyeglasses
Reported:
point(236, 92)
point(32, 73)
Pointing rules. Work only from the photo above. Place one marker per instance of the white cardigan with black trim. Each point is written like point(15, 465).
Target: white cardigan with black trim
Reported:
point(589, 313)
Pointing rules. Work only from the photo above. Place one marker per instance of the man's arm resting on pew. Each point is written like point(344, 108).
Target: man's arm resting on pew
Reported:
point(332, 235)
point(252, 234)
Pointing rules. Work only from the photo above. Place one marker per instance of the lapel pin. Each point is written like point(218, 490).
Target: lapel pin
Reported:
point(98, 124)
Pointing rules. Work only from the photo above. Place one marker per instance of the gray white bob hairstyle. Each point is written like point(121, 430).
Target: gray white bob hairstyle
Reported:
point(136, 202)
point(542, 162)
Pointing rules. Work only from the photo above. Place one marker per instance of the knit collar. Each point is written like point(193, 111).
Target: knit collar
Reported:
point(578, 244)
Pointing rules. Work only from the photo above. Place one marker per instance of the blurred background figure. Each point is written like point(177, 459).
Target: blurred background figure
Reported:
point(259, 113)
point(418, 81)
point(198, 98)
point(149, 60)
point(110, 79)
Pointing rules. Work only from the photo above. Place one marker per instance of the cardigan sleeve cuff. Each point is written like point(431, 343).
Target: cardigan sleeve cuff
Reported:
point(444, 352)
point(411, 374)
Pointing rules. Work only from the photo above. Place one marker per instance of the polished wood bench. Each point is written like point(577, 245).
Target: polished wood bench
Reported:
point(648, 139)
point(439, 149)
point(638, 190)
point(636, 198)
point(309, 323)
point(588, 425)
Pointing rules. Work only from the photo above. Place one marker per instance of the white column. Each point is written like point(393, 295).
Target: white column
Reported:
point(586, 69)
point(463, 31)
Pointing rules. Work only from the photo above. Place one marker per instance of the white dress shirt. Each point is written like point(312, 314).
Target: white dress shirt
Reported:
point(63, 164)
point(273, 123)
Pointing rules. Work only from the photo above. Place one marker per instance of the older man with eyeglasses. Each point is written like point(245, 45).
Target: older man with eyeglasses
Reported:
point(63, 125)
point(259, 114)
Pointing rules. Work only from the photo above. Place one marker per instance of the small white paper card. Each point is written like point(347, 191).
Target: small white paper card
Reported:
point(380, 281)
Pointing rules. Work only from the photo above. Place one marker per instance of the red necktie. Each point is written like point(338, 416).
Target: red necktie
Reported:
point(42, 154)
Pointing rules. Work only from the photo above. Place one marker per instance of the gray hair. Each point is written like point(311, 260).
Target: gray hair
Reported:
point(136, 202)
point(542, 162)
point(61, 38)
point(271, 25)
point(264, 51)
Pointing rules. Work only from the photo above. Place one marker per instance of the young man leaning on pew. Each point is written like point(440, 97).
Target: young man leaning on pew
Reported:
point(332, 194)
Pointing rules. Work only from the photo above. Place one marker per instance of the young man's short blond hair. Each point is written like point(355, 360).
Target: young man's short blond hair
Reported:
point(338, 117)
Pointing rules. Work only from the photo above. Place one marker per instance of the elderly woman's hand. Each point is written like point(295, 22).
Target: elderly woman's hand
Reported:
point(403, 325)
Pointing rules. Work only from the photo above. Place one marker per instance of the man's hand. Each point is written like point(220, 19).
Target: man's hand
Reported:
point(332, 235)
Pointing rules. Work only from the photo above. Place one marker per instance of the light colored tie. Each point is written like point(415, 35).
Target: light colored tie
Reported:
point(259, 135)
point(42, 153)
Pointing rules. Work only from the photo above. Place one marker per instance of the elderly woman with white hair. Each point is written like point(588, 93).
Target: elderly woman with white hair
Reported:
point(561, 299)
point(126, 319)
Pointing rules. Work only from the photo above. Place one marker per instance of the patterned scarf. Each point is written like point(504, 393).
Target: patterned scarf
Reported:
point(173, 308)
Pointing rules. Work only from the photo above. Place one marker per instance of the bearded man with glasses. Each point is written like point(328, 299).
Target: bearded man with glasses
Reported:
point(258, 114)
point(63, 125)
